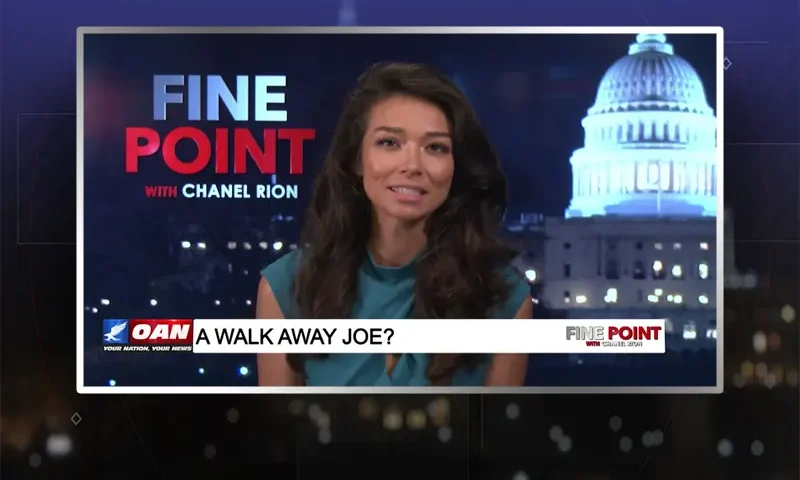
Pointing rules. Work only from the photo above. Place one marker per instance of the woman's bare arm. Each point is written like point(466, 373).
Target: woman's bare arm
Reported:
point(273, 369)
point(508, 370)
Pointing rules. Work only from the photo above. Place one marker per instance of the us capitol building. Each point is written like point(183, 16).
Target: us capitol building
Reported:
point(638, 238)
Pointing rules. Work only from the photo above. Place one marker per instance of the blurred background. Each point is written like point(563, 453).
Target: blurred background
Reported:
point(637, 185)
point(750, 431)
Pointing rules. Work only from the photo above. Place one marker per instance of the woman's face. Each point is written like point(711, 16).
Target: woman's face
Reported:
point(407, 158)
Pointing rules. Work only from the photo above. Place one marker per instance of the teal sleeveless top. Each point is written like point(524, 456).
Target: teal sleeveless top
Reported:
point(383, 293)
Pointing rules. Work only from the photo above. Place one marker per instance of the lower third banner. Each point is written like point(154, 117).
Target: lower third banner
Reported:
point(428, 336)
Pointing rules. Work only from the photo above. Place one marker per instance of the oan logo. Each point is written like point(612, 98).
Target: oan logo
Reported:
point(161, 332)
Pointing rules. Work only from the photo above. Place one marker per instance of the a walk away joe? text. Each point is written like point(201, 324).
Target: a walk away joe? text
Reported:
point(426, 336)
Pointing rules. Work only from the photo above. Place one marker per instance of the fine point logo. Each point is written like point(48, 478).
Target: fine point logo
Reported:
point(614, 336)
point(231, 149)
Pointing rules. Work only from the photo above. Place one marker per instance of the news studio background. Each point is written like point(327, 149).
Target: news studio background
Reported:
point(749, 431)
point(216, 231)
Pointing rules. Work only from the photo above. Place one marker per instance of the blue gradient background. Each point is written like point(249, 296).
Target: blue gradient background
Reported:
point(762, 101)
point(761, 86)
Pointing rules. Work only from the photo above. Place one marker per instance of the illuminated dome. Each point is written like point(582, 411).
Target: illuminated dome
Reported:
point(650, 139)
point(651, 76)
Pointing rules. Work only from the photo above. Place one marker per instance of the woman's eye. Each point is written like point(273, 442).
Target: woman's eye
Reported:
point(439, 148)
point(387, 142)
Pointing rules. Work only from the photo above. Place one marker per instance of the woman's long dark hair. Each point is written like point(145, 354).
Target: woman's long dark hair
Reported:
point(459, 273)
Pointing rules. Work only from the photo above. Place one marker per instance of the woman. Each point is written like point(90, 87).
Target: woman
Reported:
point(401, 225)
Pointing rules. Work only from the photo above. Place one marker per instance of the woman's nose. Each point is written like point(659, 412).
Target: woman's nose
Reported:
point(412, 160)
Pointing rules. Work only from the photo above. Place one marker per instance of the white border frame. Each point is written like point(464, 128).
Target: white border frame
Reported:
point(720, 240)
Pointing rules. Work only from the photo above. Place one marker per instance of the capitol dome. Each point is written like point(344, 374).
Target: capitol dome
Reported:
point(650, 76)
point(650, 139)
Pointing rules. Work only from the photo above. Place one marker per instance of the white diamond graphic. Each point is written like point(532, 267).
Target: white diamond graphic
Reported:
point(76, 419)
point(726, 64)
